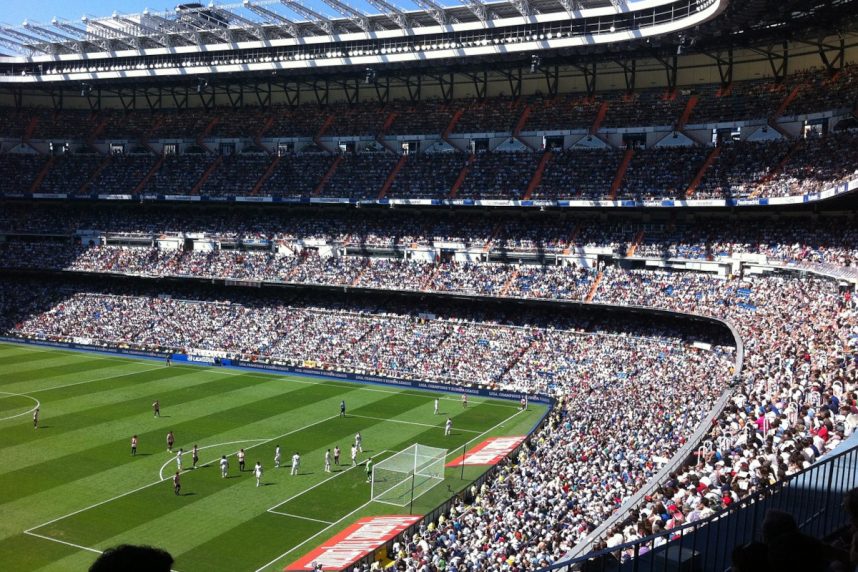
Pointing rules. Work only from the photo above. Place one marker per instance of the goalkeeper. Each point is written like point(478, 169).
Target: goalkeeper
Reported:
point(369, 470)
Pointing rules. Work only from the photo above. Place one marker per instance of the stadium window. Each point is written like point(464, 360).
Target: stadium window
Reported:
point(479, 145)
point(284, 149)
point(727, 135)
point(552, 143)
point(814, 128)
point(634, 140)
point(170, 149)
point(117, 148)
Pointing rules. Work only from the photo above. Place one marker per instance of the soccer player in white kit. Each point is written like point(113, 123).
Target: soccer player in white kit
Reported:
point(296, 462)
point(179, 460)
point(354, 455)
point(277, 457)
point(224, 466)
point(448, 427)
point(436, 406)
point(328, 461)
point(257, 471)
point(358, 441)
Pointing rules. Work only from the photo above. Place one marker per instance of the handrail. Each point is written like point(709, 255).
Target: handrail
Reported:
point(679, 532)
point(675, 462)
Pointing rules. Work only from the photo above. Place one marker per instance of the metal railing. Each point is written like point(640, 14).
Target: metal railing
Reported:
point(812, 496)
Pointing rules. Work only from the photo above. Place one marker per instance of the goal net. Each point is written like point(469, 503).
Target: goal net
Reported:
point(408, 474)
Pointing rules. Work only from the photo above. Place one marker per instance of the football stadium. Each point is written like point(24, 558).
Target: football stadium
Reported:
point(429, 286)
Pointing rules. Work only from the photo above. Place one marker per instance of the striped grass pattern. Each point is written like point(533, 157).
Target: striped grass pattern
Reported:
point(71, 488)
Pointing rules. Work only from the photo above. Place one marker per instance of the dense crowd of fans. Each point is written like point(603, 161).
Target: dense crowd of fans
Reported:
point(795, 399)
point(742, 169)
point(828, 239)
point(579, 174)
point(794, 402)
point(661, 172)
point(816, 90)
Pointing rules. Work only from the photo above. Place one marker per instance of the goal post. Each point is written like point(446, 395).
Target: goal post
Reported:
point(408, 474)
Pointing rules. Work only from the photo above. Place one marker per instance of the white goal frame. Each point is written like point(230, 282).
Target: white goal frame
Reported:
point(408, 474)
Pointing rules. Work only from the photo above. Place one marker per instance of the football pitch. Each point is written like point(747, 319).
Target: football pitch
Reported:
point(71, 488)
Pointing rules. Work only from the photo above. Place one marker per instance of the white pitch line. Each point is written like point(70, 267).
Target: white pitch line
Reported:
point(93, 353)
point(173, 459)
point(261, 375)
point(296, 547)
point(359, 385)
point(299, 516)
point(73, 545)
point(334, 476)
point(410, 423)
point(6, 393)
point(490, 429)
point(95, 380)
point(78, 546)
point(125, 494)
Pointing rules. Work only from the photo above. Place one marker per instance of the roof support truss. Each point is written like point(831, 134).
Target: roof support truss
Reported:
point(382, 89)
point(113, 37)
point(274, 18)
point(356, 16)
point(395, 15)
point(478, 8)
point(437, 12)
point(317, 19)
point(629, 68)
point(724, 61)
point(522, 6)
point(16, 39)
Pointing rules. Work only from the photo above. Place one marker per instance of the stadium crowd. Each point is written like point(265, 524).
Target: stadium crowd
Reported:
point(795, 398)
point(771, 168)
point(816, 91)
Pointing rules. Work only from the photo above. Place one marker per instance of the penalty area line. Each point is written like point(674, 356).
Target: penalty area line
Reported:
point(320, 483)
point(72, 544)
point(296, 547)
point(411, 423)
point(364, 505)
point(158, 482)
point(299, 516)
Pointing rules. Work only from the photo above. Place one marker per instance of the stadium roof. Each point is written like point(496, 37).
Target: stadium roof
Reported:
point(257, 37)
point(264, 22)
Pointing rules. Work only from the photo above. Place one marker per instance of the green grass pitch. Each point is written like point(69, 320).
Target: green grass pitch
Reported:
point(71, 487)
